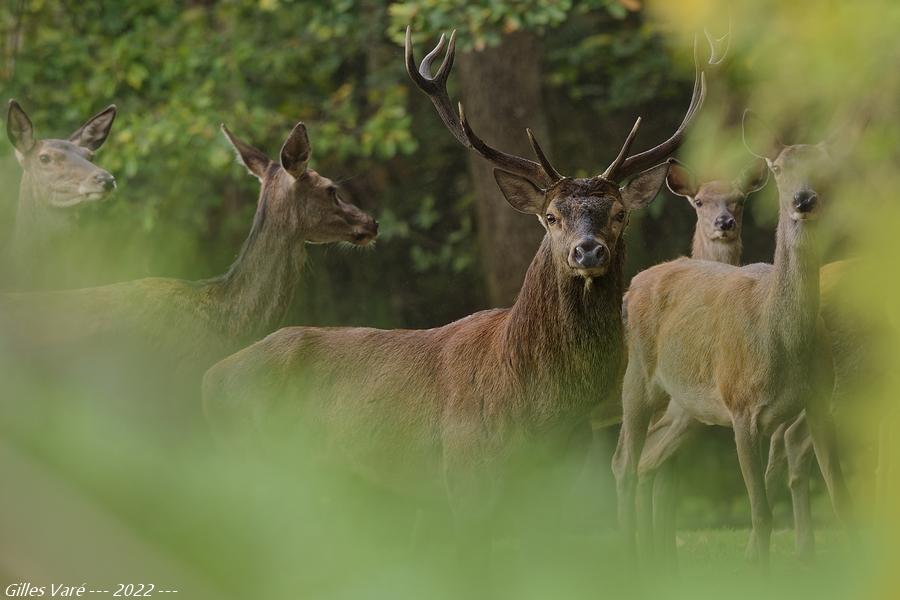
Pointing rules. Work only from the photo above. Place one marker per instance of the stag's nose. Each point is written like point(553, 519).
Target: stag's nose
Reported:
point(588, 253)
point(106, 181)
point(725, 223)
point(805, 200)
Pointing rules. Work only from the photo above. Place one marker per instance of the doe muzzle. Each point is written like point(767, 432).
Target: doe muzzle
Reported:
point(725, 223)
point(805, 201)
point(105, 180)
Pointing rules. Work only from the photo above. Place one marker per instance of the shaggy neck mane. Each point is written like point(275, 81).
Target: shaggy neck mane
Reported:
point(253, 296)
point(558, 321)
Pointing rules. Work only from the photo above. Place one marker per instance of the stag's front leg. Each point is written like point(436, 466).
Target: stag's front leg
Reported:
point(748, 440)
point(472, 494)
point(799, 450)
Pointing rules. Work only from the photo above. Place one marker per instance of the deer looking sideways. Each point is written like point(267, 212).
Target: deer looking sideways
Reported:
point(194, 323)
point(58, 176)
point(743, 347)
point(449, 410)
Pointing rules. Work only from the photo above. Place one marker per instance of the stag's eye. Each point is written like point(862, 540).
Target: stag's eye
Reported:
point(44, 158)
point(620, 216)
point(551, 219)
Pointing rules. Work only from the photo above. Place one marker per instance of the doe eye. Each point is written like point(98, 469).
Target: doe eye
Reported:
point(551, 219)
point(44, 158)
point(698, 203)
point(776, 169)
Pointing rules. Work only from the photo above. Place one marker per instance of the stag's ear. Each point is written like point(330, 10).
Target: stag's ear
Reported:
point(296, 151)
point(681, 181)
point(759, 139)
point(19, 129)
point(643, 187)
point(94, 132)
point(521, 194)
point(254, 160)
point(753, 178)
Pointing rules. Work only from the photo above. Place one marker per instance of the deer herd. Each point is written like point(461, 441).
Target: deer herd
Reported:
point(447, 412)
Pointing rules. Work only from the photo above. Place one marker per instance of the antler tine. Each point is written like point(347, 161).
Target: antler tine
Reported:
point(425, 65)
point(551, 172)
point(717, 53)
point(436, 87)
point(611, 169)
point(508, 162)
point(648, 158)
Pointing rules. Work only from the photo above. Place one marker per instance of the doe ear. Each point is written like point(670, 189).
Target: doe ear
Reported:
point(19, 129)
point(254, 160)
point(753, 178)
point(643, 187)
point(759, 139)
point(296, 151)
point(520, 193)
point(94, 132)
point(681, 181)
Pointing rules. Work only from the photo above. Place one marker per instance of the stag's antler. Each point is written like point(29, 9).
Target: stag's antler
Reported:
point(718, 47)
point(542, 172)
point(435, 87)
point(623, 167)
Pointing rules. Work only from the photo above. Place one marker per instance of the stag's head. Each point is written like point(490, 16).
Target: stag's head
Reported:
point(803, 172)
point(301, 199)
point(61, 172)
point(719, 204)
point(584, 217)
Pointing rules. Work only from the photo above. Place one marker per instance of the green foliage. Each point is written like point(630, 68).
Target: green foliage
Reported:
point(481, 24)
point(178, 70)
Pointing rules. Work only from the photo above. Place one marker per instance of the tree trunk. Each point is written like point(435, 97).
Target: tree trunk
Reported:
point(501, 90)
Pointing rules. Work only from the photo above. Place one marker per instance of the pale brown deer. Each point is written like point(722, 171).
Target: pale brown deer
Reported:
point(189, 325)
point(743, 347)
point(719, 207)
point(791, 448)
point(58, 176)
point(449, 410)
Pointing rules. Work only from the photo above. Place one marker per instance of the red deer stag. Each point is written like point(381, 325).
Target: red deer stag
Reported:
point(190, 325)
point(742, 347)
point(58, 176)
point(451, 409)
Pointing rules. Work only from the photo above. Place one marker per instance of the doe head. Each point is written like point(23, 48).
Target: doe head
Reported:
point(803, 172)
point(719, 204)
point(301, 198)
point(62, 171)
